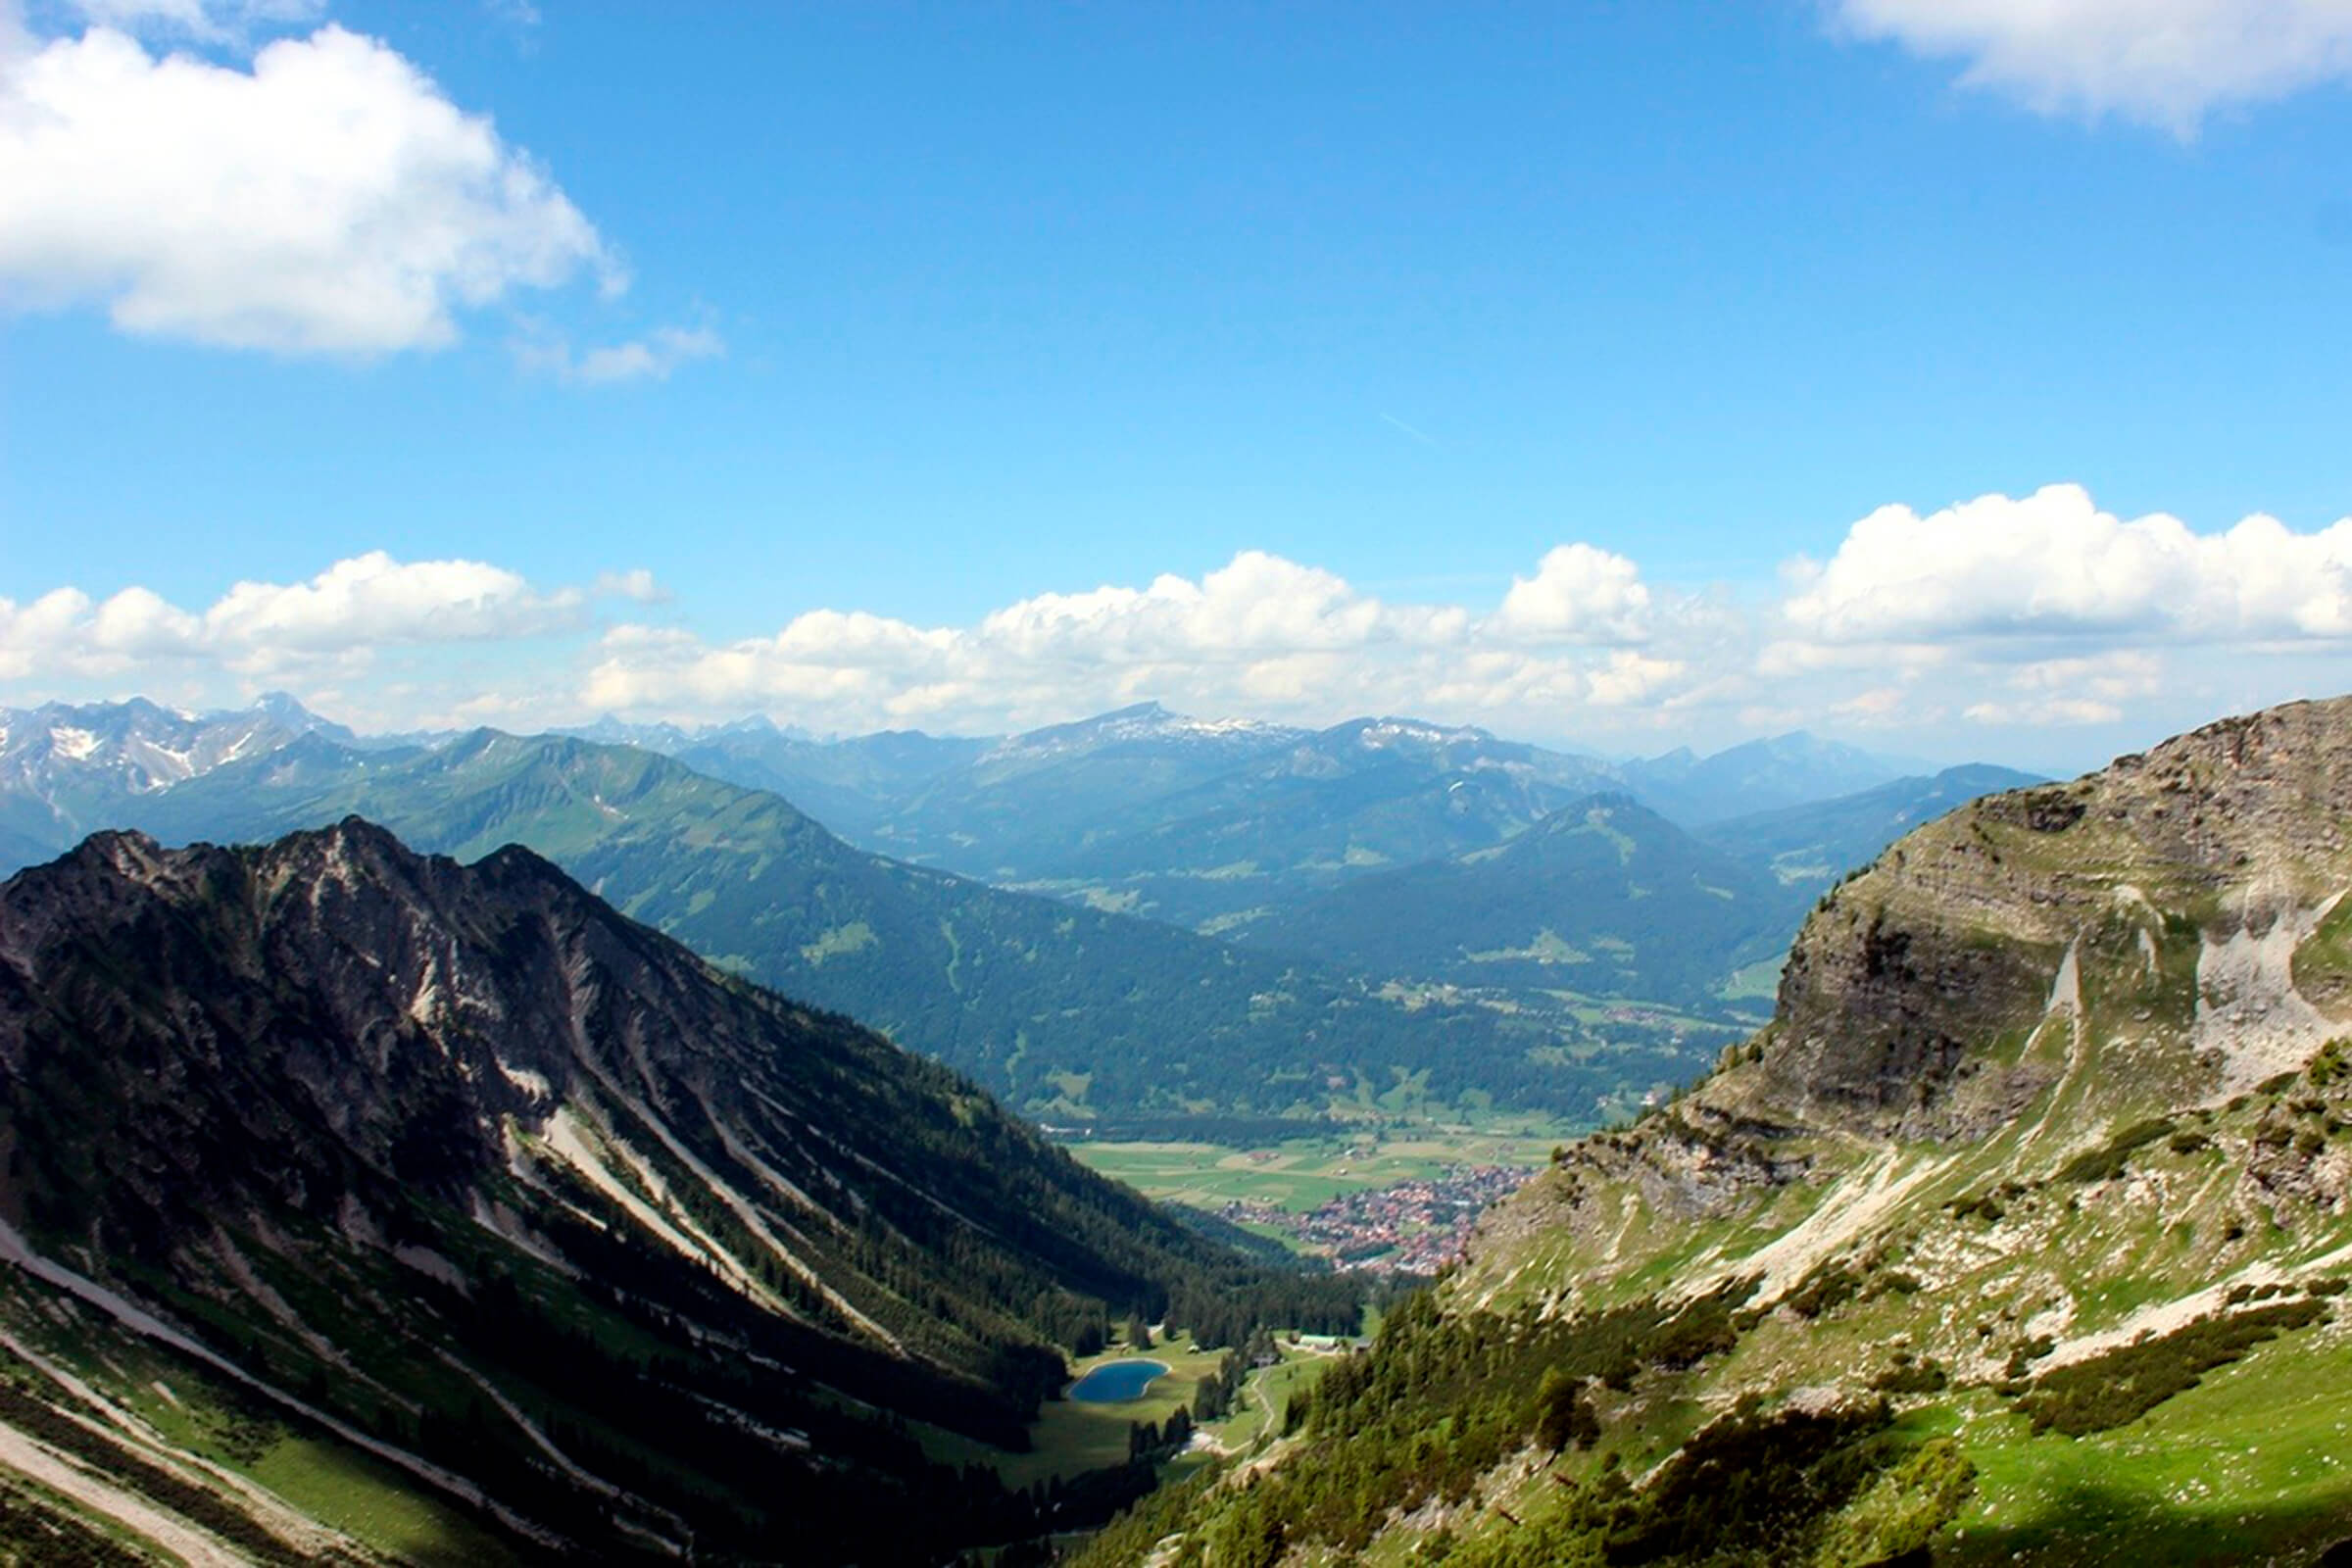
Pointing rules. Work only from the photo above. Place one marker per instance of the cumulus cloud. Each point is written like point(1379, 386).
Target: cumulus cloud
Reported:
point(2052, 564)
point(326, 199)
point(2032, 612)
point(352, 609)
point(1260, 635)
point(2165, 62)
point(1579, 595)
point(373, 599)
point(2038, 612)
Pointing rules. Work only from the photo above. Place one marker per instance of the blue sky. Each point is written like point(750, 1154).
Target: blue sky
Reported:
point(906, 348)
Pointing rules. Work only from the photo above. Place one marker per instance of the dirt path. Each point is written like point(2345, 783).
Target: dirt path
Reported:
point(1258, 1385)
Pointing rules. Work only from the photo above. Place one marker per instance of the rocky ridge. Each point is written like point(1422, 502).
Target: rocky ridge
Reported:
point(456, 1166)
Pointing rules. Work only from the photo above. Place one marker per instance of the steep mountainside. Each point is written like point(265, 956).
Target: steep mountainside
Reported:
point(2021, 1233)
point(1604, 897)
point(342, 1170)
point(1068, 1013)
point(1811, 846)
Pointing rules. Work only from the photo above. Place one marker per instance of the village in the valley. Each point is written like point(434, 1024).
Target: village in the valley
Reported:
point(1414, 1227)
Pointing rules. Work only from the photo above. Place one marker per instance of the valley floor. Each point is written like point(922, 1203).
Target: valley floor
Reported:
point(1385, 1198)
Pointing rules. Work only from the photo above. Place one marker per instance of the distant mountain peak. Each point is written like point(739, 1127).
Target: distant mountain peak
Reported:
point(285, 709)
point(1144, 722)
point(750, 724)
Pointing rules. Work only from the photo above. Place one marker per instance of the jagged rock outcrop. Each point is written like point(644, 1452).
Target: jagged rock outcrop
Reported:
point(1900, 989)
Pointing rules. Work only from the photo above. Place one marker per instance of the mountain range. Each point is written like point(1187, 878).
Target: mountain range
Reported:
point(67, 771)
point(1305, 849)
point(1070, 1014)
point(2021, 1233)
point(353, 1173)
point(364, 1205)
point(1214, 823)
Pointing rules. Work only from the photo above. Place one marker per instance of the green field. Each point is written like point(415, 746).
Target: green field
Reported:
point(1070, 1437)
point(1257, 1410)
point(1304, 1172)
point(2258, 1452)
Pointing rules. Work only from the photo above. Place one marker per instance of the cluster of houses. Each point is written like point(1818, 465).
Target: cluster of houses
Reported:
point(1414, 1227)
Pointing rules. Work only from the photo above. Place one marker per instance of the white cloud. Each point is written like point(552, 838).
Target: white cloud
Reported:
point(1629, 677)
point(2165, 62)
point(2043, 712)
point(637, 583)
point(1579, 595)
point(2053, 564)
point(372, 598)
point(1993, 620)
point(1259, 635)
point(2117, 675)
point(2094, 689)
point(1879, 704)
point(336, 618)
point(328, 199)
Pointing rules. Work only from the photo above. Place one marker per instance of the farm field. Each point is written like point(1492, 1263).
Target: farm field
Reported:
point(1300, 1174)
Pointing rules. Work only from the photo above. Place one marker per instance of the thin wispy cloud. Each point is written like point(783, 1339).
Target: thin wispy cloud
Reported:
point(654, 356)
point(1422, 437)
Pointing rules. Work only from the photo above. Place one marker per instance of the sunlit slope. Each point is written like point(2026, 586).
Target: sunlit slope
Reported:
point(2023, 1228)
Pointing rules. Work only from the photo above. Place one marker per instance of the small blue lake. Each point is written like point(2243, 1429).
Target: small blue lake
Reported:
point(1117, 1381)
